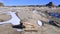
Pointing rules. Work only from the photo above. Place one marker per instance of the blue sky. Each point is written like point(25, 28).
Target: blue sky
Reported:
point(28, 2)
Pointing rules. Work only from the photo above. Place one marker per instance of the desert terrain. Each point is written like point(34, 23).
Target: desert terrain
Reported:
point(26, 14)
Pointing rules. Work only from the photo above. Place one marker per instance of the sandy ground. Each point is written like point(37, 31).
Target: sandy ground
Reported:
point(31, 18)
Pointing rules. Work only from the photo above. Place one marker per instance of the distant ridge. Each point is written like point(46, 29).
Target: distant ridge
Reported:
point(29, 6)
point(1, 4)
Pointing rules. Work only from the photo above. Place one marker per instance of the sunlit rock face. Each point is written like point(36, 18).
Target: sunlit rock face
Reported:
point(4, 17)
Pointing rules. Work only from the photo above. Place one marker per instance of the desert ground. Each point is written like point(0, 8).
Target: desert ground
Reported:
point(26, 14)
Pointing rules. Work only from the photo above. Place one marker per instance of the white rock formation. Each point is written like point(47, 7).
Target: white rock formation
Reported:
point(14, 20)
point(39, 23)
